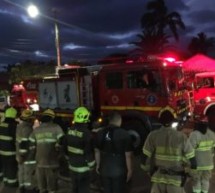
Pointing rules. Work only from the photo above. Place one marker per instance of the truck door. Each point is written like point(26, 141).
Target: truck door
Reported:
point(142, 90)
point(111, 87)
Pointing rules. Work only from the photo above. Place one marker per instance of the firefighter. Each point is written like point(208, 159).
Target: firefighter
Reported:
point(114, 156)
point(8, 149)
point(203, 141)
point(164, 153)
point(46, 140)
point(78, 143)
point(26, 161)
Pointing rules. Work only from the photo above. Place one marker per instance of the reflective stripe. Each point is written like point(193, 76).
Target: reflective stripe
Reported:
point(146, 152)
point(46, 140)
point(75, 133)
point(5, 138)
point(30, 162)
point(32, 140)
point(205, 167)
point(91, 164)
point(197, 190)
point(4, 124)
point(205, 145)
point(75, 150)
point(7, 153)
point(166, 181)
point(22, 150)
point(190, 155)
point(145, 167)
point(59, 136)
point(165, 150)
point(24, 139)
point(79, 169)
point(27, 184)
point(10, 181)
point(168, 157)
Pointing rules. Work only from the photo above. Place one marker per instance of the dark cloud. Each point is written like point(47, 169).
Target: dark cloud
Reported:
point(202, 16)
point(89, 30)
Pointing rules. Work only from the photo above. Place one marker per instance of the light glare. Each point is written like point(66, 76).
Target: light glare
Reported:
point(33, 11)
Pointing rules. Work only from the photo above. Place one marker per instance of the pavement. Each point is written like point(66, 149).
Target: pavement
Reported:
point(140, 184)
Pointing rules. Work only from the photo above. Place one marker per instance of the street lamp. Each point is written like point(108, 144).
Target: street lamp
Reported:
point(34, 12)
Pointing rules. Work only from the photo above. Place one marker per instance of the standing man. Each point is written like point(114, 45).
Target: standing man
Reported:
point(114, 156)
point(46, 139)
point(8, 148)
point(78, 143)
point(203, 141)
point(26, 161)
point(163, 154)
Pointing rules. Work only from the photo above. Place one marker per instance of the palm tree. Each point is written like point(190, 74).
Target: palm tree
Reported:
point(201, 44)
point(158, 19)
point(151, 43)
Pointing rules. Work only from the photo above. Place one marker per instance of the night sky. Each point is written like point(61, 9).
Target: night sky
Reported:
point(89, 30)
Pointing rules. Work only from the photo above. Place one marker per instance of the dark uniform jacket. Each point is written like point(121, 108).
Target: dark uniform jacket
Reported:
point(113, 142)
point(79, 147)
point(23, 132)
point(8, 137)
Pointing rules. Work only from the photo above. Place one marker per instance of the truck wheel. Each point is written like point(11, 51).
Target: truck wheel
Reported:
point(138, 133)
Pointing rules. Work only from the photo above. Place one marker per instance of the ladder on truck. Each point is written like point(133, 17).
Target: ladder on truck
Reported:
point(86, 94)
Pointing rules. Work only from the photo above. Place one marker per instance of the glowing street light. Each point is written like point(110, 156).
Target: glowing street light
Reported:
point(33, 12)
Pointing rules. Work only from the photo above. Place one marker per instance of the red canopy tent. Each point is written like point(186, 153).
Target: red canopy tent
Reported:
point(199, 63)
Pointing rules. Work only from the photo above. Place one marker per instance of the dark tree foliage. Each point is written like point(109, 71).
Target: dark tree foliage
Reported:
point(158, 19)
point(151, 43)
point(28, 69)
point(155, 23)
point(113, 58)
point(201, 44)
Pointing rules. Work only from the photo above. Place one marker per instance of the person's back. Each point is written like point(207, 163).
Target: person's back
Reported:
point(113, 142)
point(167, 149)
point(8, 148)
point(47, 137)
point(114, 163)
point(79, 147)
point(203, 141)
point(79, 150)
point(45, 140)
point(169, 143)
point(203, 144)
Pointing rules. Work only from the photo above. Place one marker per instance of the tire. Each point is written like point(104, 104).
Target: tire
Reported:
point(138, 133)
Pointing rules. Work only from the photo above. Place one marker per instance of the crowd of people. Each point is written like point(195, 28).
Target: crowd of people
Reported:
point(29, 154)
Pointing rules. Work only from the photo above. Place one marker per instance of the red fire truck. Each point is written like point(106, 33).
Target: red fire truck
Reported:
point(203, 94)
point(140, 91)
point(25, 94)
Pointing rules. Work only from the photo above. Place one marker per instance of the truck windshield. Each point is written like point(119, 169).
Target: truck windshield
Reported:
point(176, 79)
point(205, 82)
point(16, 93)
point(144, 79)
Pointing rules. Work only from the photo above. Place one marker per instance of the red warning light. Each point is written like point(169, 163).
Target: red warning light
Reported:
point(129, 61)
point(170, 59)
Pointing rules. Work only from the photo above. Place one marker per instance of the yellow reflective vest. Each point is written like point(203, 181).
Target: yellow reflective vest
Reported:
point(168, 149)
point(204, 148)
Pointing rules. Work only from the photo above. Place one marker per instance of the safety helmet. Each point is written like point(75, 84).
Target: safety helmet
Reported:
point(81, 115)
point(26, 114)
point(49, 112)
point(10, 113)
point(166, 118)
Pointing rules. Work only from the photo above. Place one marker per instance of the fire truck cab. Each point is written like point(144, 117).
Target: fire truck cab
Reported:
point(143, 91)
point(203, 93)
point(25, 95)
